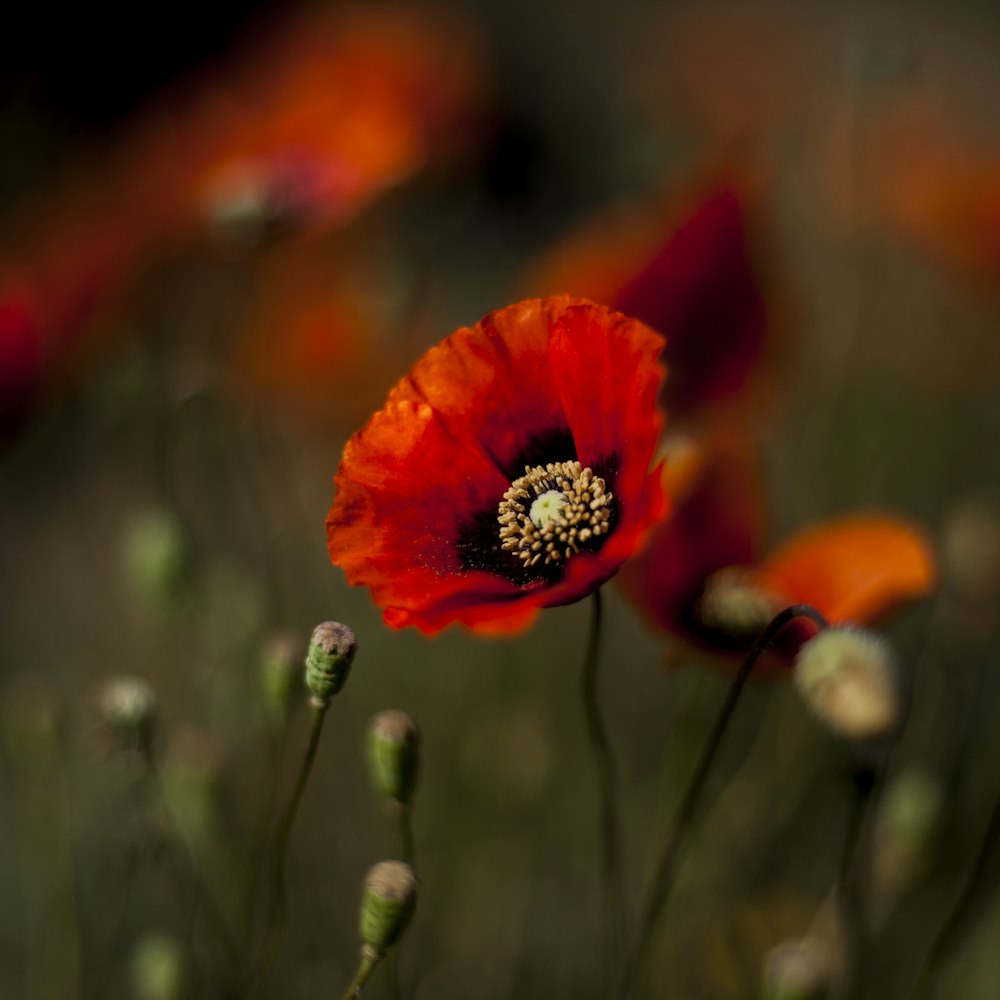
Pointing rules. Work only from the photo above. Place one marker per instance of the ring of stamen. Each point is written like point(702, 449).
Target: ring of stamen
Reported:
point(552, 512)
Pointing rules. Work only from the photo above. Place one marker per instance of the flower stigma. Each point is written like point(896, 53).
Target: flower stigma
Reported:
point(552, 511)
point(547, 510)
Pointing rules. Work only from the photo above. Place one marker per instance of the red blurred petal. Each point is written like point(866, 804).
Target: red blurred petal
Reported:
point(715, 523)
point(700, 289)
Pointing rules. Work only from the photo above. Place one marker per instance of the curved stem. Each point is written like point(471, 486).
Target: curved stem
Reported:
point(975, 885)
point(368, 962)
point(666, 868)
point(614, 928)
point(279, 903)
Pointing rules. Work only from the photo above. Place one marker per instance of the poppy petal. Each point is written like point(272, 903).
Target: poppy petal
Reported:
point(715, 522)
point(854, 568)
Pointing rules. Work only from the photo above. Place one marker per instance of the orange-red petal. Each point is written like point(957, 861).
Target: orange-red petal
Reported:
point(853, 568)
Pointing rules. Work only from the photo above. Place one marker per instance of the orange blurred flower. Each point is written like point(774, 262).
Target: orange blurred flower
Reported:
point(301, 129)
point(309, 122)
point(509, 471)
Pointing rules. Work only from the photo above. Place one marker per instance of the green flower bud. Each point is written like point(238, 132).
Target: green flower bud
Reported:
point(388, 900)
point(331, 653)
point(279, 667)
point(394, 755)
point(156, 556)
point(128, 709)
point(157, 969)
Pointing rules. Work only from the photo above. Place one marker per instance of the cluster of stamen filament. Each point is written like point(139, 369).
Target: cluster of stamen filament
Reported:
point(552, 511)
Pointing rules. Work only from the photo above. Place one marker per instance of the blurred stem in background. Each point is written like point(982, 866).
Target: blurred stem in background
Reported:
point(203, 893)
point(666, 868)
point(38, 769)
point(975, 890)
point(615, 931)
point(866, 779)
point(279, 850)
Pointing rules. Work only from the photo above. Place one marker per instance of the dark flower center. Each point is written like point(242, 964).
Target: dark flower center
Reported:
point(552, 512)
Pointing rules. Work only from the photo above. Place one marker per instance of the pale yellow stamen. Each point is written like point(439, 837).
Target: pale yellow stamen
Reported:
point(551, 511)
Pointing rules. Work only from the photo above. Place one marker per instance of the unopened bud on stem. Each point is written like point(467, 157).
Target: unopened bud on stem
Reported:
point(388, 900)
point(394, 755)
point(331, 653)
point(848, 679)
point(280, 663)
point(128, 709)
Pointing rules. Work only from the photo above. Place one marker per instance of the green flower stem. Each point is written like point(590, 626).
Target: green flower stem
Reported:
point(853, 923)
point(258, 853)
point(368, 962)
point(667, 866)
point(202, 892)
point(279, 851)
point(977, 886)
point(407, 850)
point(614, 924)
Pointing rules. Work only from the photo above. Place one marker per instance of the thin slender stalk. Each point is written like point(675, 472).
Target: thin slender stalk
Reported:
point(407, 850)
point(365, 968)
point(976, 885)
point(865, 777)
point(258, 853)
point(279, 851)
point(614, 921)
point(202, 892)
point(666, 868)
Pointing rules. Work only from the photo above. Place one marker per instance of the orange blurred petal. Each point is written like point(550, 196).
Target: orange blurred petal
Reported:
point(853, 568)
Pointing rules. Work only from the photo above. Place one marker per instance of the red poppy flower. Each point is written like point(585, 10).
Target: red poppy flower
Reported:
point(509, 471)
point(698, 577)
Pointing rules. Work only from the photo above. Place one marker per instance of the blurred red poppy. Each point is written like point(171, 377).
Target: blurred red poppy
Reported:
point(311, 120)
point(698, 576)
point(312, 342)
point(687, 272)
point(509, 471)
point(299, 130)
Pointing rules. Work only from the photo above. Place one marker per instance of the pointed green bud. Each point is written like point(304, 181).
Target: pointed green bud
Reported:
point(279, 670)
point(394, 755)
point(331, 653)
point(388, 900)
point(128, 710)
